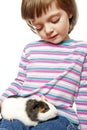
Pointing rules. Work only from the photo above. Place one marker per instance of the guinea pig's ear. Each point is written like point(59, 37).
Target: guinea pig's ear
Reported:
point(43, 98)
point(32, 104)
point(35, 106)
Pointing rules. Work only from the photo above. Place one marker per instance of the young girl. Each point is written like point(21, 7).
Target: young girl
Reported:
point(55, 66)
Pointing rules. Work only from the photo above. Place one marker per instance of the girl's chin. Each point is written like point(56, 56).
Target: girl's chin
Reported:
point(54, 42)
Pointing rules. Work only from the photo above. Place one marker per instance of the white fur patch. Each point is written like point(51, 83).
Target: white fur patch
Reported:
point(14, 108)
point(51, 113)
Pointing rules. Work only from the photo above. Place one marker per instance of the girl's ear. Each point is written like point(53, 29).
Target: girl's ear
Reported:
point(70, 16)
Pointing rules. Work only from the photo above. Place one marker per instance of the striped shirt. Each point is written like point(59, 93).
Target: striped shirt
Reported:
point(59, 72)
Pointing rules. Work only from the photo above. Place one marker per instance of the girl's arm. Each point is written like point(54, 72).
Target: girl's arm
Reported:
point(16, 85)
point(0, 103)
point(81, 101)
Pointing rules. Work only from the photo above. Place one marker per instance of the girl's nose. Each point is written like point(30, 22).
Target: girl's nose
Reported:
point(48, 29)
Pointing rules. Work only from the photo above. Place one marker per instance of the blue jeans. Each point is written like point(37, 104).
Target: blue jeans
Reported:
point(58, 123)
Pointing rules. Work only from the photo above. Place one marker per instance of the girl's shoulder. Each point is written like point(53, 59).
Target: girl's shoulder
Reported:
point(80, 43)
point(34, 44)
point(41, 43)
point(80, 46)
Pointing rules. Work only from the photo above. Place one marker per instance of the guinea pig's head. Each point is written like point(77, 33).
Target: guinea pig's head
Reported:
point(51, 112)
point(40, 110)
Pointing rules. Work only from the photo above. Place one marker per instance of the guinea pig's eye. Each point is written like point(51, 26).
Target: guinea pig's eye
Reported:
point(43, 107)
point(46, 108)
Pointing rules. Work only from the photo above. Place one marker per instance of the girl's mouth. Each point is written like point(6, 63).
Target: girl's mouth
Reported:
point(52, 37)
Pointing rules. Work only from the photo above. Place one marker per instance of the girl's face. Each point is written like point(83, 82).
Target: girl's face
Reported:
point(52, 26)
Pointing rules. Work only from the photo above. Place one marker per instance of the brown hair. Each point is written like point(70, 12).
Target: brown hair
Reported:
point(32, 8)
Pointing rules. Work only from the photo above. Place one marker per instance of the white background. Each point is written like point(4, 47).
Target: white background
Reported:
point(15, 34)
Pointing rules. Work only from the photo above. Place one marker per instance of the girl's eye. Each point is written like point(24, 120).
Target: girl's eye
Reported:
point(38, 27)
point(55, 20)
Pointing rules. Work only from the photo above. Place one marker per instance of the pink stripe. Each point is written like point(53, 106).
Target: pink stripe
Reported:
point(48, 53)
point(85, 77)
point(63, 90)
point(57, 99)
point(45, 45)
point(12, 91)
point(43, 61)
point(70, 113)
point(58, 89)
point(84, 123)
point(27, 89)
point(47, 71)
point(16, 86)
point(24, 60)
point(78, 63)
point(82, 113)
point(37, 81)
point(52, 61)
point(76, 53)
point(83, 95)
point(75, 73)
point(68, 81)
point(81, 103)
point(21, 75)
point(22, 68)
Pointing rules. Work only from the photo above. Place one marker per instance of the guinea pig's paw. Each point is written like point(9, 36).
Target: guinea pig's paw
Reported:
point(36, 123)
point(10, 119)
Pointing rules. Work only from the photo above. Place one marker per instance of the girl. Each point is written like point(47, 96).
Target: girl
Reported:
point(55, 66)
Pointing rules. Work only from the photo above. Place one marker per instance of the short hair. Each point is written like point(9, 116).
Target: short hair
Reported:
point(32, 8)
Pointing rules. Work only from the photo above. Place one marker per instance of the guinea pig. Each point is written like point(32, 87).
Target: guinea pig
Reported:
point(28, 111)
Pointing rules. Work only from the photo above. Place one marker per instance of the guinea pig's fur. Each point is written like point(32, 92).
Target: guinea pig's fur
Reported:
point(28, 111)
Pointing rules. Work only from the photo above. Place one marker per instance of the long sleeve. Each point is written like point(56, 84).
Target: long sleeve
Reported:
point(81, 101)
point(16, 85)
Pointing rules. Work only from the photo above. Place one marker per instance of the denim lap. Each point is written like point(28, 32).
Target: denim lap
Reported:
point(72, 127)
point(60, 123)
